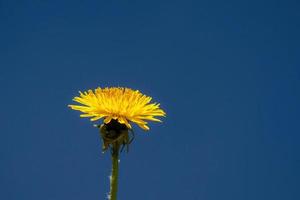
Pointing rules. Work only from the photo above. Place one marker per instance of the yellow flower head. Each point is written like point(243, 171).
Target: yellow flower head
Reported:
point(118, 103)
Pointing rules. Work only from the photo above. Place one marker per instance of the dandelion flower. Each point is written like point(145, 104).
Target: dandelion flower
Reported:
point(118, 107)
point(117, 103)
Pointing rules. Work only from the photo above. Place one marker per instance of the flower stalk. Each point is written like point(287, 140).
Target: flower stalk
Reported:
point(115, 172)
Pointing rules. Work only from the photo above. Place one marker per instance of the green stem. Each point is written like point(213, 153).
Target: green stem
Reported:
point(114, 173)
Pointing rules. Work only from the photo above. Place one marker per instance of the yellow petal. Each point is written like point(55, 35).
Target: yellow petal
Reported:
point(107, 120)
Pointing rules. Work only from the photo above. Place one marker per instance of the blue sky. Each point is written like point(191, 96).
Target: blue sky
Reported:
point(226, 72)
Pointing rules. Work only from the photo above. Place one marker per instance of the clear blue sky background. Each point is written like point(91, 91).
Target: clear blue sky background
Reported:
point(226, 72)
